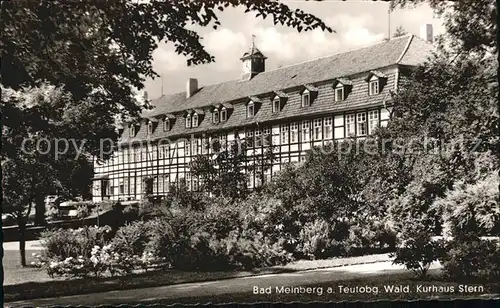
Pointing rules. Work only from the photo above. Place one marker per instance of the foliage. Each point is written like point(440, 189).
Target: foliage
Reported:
point(400, 31)
point(476, 258)
point(472, 209)
point(225, 172)
point(467, 34)
point(416, 250)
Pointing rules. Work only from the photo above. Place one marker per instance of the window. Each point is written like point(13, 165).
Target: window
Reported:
point(327, 128)
point(249, 138)
point(195, 184)
point(132, 185)
point(188, 182)
point(125, 156)
point(195, 120)
point(223, 114)
point(339, 94)
point(318, 132)
point(150, 128)
point(350, 125)
point(166, 125)
point(155, 153)
point(121, 187)
point(250, 110)
point(166, 182)
point(258, 138)
point(188, 121)
point(306, 101)
point(155, 185)
point(160, 184)
point(276, 105)
point(215, 116)
point(372, 121)
point(306, 131)
point(194, 146)
point(166, 151)
point(294, 132)
point(132, 130)
point(131, 154)
point(284, 134)
point(361, 121)
point(267, 138)
point(373, 87)
point(187, 145)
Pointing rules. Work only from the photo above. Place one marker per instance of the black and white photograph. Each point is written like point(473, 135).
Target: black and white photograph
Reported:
point(249, 151)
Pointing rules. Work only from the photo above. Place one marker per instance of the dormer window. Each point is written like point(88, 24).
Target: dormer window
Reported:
point(166, 124)
point(223, 114)
point(374, 87)
point(376, 81)
point(150, 128)
point(215, 116)
point(306, 99)
point(339, 93)
point(132, 130)
point(188, 121)
point(276, 105)
point(195, 120)
point(250, 109)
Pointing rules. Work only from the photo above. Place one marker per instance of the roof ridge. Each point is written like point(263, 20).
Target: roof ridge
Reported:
point(310, 60)
point(334, 54)
point(406, 48)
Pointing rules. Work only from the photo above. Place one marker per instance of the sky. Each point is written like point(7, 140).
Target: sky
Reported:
point(357, 23)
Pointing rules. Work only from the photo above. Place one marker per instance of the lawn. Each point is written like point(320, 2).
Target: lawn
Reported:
point(14, 273)
point(34, 283)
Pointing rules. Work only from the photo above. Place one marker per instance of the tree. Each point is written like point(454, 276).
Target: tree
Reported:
point(477, 34)
point(69, 68)
point(226, 172)
point(21, 181)
point(400, 31)
point(101, 52)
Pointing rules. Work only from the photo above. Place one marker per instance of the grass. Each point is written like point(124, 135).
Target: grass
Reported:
point(37, 284)
point(14, 273)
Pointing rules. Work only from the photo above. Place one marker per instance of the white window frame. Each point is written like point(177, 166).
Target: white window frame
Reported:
point(188, 121)
point(266, 133)
point(361, 124)
point(350, 125)
point(166, 125)
point(258, 138)
point(339, 93)
point(132, 130)
point(215, 116)
point(223, 114)
point(306, 131)
point(327, 122)
point(318, 129)
point(294, 132)
point(285, 138)
point(373, 87)
point(195, 120)
point(250, 106)
point(248, 137)
point(373, 121)
point(150, 128)
point(306, 94)
point(276, 105)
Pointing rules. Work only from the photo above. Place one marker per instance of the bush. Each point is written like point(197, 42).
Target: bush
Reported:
point(321, 239)
point(475, 259)
point(416, 250)
point(68, 252)
point(369, 236)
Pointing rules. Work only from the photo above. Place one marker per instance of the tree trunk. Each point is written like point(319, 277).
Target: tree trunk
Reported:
point(22, 240)
point(39, 210)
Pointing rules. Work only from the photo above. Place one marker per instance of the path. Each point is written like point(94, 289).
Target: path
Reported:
point(213, 289)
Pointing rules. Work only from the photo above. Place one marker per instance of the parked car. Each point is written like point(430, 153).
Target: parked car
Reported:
point(8, 220)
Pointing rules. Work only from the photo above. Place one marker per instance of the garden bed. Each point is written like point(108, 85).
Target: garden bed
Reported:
point(53, 288)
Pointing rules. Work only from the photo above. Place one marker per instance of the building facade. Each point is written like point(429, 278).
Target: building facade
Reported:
point(293, 108)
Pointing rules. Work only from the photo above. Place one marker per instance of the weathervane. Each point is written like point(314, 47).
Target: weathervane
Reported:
point(253, 40)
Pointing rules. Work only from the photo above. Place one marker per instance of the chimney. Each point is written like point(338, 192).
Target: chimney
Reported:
point(426, 33)
point(191, 87)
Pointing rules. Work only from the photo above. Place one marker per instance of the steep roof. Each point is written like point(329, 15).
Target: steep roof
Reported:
point(406, 50)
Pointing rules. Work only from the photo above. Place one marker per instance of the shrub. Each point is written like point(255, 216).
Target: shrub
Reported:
point(416, 250)
point(321, 239)
point(472, 259)
point(69, 252)
point(368, 236)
